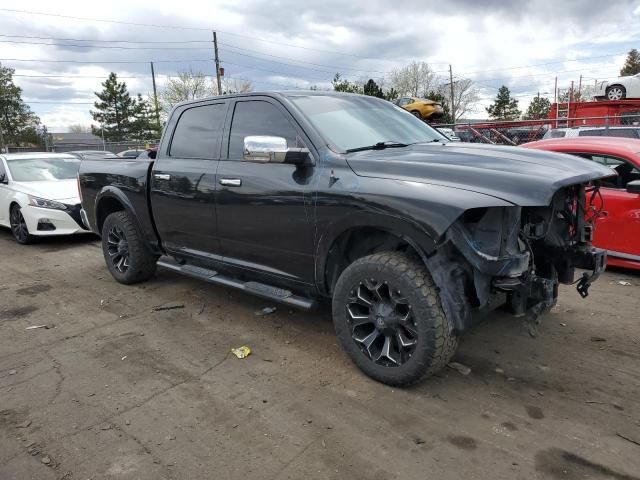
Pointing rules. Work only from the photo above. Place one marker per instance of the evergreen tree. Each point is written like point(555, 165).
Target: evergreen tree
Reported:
point(18, 124)
point(342, 85)
point(538, 108)
point(372, 89)
point(632, 64)
point(504, 107)
point(115, 110)
point(144, 125)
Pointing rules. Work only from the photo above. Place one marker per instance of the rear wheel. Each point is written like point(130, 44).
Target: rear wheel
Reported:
point(128, 259)
point(388, 318)
point(616, 92)
point(19, 226)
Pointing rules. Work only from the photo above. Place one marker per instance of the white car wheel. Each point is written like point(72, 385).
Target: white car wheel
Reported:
point(617, 92)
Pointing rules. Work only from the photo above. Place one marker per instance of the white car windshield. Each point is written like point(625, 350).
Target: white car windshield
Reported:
point(43, 169)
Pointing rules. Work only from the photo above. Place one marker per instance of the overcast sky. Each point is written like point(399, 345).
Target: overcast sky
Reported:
point(279, 44)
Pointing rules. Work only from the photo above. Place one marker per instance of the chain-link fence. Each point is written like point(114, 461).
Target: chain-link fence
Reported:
point(517, 132)
point(114, 147)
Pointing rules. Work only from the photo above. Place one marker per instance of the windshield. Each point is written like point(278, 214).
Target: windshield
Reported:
point(43, 169)
point(352, 122)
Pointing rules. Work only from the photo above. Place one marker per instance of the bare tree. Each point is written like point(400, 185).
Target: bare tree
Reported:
point(235, 85)
point(79, 128)
point(190, 85)
point(465, 96)
point(416, 79)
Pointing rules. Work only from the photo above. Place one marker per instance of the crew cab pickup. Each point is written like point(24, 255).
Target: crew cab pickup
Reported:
point(301, 197)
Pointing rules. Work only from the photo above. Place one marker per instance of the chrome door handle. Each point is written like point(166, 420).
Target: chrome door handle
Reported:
point(230, 182)
point(162, 176)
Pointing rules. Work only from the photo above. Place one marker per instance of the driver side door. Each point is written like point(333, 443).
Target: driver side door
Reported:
point(264, 210)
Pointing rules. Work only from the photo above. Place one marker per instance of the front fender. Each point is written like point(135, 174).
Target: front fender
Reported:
point(404, 228)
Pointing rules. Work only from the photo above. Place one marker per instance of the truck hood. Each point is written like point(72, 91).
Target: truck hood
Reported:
point(517, 175)
point(65, 191)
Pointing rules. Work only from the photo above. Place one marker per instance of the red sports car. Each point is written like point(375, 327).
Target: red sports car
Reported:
point(618, 226)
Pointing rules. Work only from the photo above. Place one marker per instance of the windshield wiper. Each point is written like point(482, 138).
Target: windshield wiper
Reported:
point(379, 146)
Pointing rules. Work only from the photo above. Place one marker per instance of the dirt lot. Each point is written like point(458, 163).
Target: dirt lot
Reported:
point(115, 389)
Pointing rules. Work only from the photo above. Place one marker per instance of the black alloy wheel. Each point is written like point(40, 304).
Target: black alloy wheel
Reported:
point(389, 319)
point(125, 251)
point(381, 322)
point(118, 249)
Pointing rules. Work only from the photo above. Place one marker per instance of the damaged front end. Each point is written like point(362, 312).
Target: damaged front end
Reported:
point(516, 257)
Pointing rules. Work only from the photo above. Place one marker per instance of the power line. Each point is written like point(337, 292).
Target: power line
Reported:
point(183, 60)
point(277, 72)
point(119, 47)
point(342, 67)
point(68, 76)
point(176, 27)
point(105, 41)
point(542, 64)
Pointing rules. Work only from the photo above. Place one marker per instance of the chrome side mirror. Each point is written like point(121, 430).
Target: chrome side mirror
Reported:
point(267, 149)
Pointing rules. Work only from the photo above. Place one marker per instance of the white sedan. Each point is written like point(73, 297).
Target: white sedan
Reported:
point(620, 88)
point(39, 195)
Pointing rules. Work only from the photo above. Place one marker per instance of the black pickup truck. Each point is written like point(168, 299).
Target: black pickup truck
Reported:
point(303, 196)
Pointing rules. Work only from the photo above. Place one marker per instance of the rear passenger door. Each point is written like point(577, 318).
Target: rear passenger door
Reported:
point(183, 180)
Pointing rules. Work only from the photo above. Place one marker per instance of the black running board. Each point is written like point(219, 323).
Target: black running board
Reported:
point(259, 289)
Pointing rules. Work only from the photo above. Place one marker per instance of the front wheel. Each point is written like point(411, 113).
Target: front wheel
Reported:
point(416, 114)
point(389, 319)
point(19, 226)
point(128, 259)
point(616, 92)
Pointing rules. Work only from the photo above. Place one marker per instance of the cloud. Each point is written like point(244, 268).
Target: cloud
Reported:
point(494, 42)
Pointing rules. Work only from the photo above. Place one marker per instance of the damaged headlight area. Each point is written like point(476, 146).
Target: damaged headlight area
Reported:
point(516, 257)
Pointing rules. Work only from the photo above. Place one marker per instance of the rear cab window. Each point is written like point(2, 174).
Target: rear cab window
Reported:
point(198, 132)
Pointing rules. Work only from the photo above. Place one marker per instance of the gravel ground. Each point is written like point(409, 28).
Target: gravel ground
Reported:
point(115, 388)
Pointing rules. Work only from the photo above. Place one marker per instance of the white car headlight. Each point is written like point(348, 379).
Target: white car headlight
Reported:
point(44, 203)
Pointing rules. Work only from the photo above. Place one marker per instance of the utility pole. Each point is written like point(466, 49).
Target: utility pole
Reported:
point(580, 87)
point(155, 96)
point(215, 51)
point(453, 110)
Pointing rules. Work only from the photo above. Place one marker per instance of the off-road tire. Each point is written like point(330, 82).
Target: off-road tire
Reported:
point(436, 343)
point(141, 263)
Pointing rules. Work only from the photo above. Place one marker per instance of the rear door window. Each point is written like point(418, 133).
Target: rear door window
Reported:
point(199, 132)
